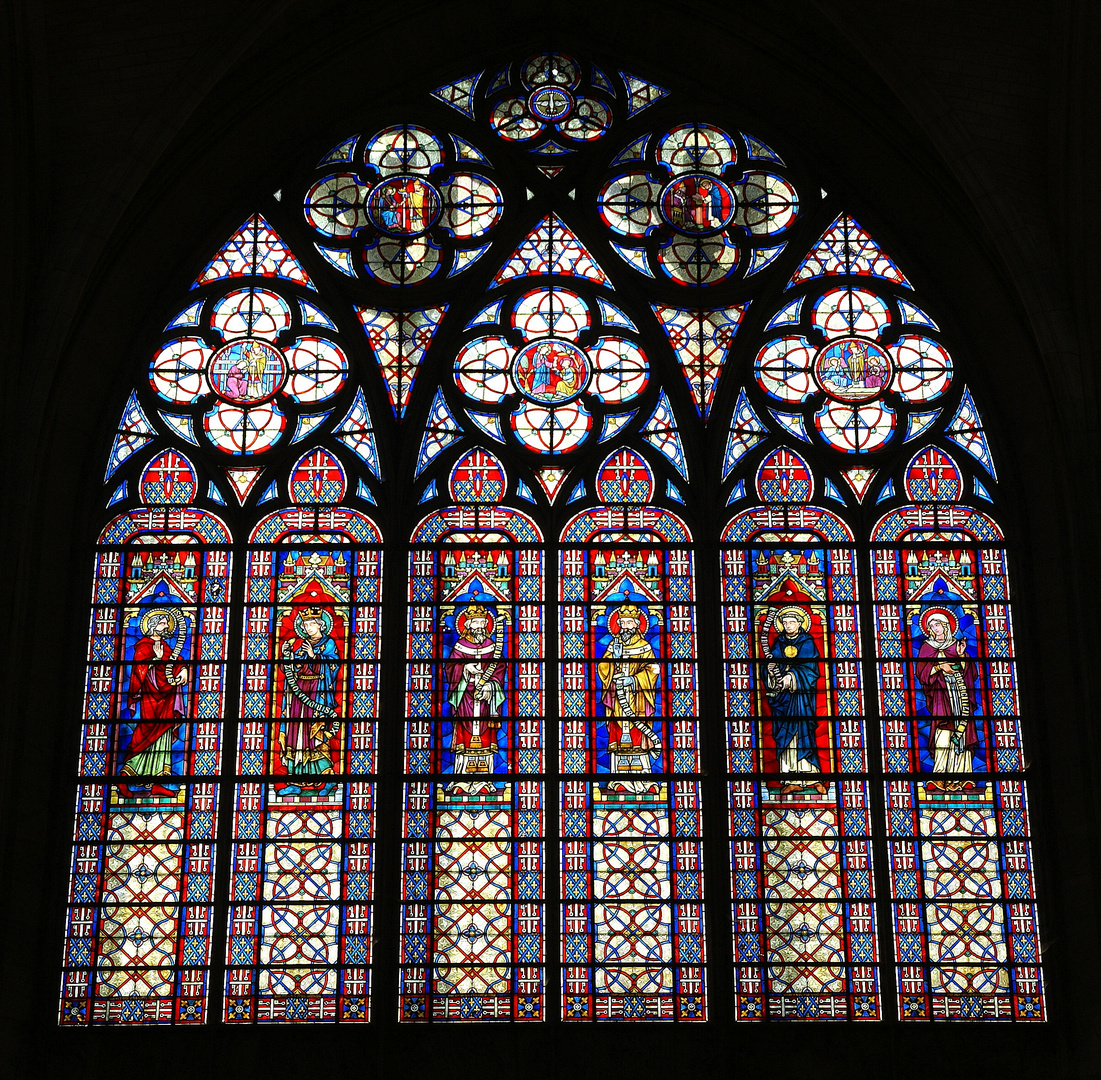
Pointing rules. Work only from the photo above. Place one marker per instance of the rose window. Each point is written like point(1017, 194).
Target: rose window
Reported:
point(850, 373)
point(549, 372)
point(692, 212)
point(259, 359)
point(401, 195)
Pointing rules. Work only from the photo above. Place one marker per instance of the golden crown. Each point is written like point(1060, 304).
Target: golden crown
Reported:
point(632, 611)
point(313, 613)
point(477, 610)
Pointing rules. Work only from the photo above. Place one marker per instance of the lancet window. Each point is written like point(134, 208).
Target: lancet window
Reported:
point(140, 917)
point(302, 869)
point(632, 873)
point(473, 884)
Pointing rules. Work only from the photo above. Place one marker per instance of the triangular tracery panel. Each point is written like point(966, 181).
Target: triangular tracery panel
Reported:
point(701, 341)
point(399, 340)
point(845, 248)
point(551, 248)
point(254, 250)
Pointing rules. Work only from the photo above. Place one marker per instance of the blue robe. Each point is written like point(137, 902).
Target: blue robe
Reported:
point(716, 202)
point(794, 713)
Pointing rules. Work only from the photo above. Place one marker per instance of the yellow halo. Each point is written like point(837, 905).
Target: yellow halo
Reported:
point(150, 617)
point(799, 613)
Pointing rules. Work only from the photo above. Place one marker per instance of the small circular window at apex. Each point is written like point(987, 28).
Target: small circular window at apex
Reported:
point(549, 104)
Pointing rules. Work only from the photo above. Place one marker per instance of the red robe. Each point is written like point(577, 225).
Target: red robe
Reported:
point(465, 708)
point(157, 701)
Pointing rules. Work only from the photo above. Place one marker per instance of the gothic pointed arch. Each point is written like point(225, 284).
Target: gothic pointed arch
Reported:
point(544, 350)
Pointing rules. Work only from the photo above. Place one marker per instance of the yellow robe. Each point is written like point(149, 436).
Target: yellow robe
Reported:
point(637, 662)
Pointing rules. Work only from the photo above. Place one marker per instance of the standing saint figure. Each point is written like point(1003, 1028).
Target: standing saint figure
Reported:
point(475, 675)
point(255, 363)
point(792, 691)
point(544, 378)
point(629, 678)
point(707, 207)
point(948, 680)
point(415, 197)
point(156, 699)
point(310, 674)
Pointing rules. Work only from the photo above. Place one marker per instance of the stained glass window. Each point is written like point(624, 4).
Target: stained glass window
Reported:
point(851, 364)
point(473, 883)
point(961, 865)
point(302, 869)
point(632, 872)
point(804, 923)
point(140, 923)
point(581, 376)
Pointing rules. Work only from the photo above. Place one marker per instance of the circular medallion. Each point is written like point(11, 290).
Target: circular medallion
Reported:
point(852, 369)
point(551, 371)
point(246, 372)
point(404, 206)
point(697, 204)
point(790, 651)
point(551, 103)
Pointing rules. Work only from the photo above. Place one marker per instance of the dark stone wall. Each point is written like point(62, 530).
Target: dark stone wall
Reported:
point(140, 134)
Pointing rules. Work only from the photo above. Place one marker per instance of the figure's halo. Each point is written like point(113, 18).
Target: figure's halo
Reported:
point(322, 614)
point(798, 612)
point(475, 609)
point(148, 618)
point(949, 617)
point(629, 609)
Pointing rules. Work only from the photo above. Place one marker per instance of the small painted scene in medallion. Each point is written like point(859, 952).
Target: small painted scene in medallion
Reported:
point(247, 372)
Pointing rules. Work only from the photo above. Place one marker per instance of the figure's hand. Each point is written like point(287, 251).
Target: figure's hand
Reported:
point(773, 671)
point(309, 651)
point(788, 682)
point(180, 677)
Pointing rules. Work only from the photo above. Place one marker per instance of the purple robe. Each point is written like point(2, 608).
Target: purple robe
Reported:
point(938, 695)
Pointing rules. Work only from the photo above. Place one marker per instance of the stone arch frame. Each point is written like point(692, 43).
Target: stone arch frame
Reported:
point(1010, 336)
